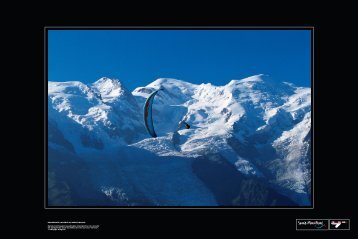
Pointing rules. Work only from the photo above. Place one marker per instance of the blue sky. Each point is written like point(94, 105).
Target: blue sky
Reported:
point(138, 57)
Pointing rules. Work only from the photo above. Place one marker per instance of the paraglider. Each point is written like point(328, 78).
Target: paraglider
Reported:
point(183, 123)
point(148, 120)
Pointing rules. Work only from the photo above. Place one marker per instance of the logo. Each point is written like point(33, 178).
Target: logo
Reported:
point(339, 224)
point(311, 224)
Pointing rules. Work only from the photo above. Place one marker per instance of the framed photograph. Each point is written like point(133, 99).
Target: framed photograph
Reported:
point(179, 117)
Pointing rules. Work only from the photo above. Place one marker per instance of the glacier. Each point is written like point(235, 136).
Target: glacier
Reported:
point(249, 144)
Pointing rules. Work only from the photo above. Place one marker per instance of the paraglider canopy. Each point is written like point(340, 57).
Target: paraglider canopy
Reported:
point(148, 120)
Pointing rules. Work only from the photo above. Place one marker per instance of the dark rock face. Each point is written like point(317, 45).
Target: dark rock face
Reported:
point(232, 188)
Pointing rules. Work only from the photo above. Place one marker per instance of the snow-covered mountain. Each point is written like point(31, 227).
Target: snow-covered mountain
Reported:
point(249, 144)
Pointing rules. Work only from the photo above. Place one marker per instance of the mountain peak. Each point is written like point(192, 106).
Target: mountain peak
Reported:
point(107, 82)
point(68, 87)
point(109, 88)
point(254, 78)
point(169, 83)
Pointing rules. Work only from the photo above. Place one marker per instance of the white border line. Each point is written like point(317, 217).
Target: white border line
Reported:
point(312, 28)
point(45, 119)
point(182, 27)
point(312, 115)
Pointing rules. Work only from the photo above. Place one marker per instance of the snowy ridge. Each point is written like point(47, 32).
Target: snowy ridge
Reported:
point(256, 126)
point(101, 115)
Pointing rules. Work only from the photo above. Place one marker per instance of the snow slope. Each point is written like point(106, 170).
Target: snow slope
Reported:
point(104, 114)
point(252, 133)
